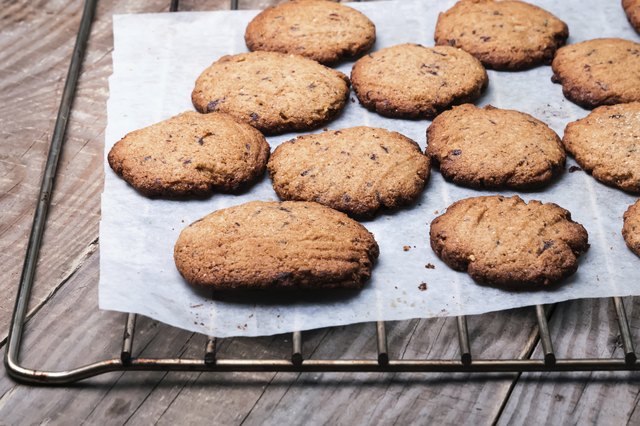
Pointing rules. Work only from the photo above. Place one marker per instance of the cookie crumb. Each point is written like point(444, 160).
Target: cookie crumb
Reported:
point(422, 287)
point(430, 266)
point(406, 248)
point(574, 169)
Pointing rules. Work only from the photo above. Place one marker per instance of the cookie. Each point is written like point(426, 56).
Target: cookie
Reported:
point(357, 170)
point(494, 148)
point(276, 245)
point(606, 143)
point(503, 35)
point(317, 29)
point(632, 9)
point(631, 227)
point(604, 71)
point(271, 91)
point(191, 154)
point(413, 81)
point(505, 242)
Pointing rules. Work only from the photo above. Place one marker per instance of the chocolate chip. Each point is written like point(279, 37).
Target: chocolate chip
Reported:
point(186, 162)
point(147, 158)
point(452, 42)
point(213, 105)
point(384, 148)
point(456, 152)
point(485, 38)
point(254, 116)
point(311, 86)
point(373, 157)
point(304, 173)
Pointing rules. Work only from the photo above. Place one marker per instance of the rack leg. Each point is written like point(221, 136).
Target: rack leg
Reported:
point(625, 332)
point(127, 339)
point(463, 340)
point(545, 336)
point(296, 353)
point(210, 351)
point(234, 4)
point(174, 5)
point(383, 351)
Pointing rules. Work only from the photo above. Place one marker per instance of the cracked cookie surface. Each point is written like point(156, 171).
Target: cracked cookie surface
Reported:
point(317, 29)
point(494, 148)
point(358, 170)
point(273, 92)
point(604, 71)
point(505, 242)
point(191, 154)
point(413, 81)
point(503, 35)
point(276, 245)
point(606, 143)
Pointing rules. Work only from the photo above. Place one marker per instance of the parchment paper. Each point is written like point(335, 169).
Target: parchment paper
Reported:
point(156, 60)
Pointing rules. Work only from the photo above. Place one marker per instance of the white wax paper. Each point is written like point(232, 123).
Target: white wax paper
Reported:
point(156, 60)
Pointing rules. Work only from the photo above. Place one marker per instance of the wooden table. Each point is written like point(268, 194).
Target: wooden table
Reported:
point(65, 327)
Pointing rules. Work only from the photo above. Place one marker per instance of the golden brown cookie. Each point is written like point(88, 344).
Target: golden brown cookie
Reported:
point(505, 242)
point(273, 245)
point(631, 227)
point(413, 81)
point(317, 29)
point(494, 148)
point(632, 9)
point(606, 143)
point(357, 170)
point(273, 92)
point(604, 71)
point(191, 154)
point(503, 35)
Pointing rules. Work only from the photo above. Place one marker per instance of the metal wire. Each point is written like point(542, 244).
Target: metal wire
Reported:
point(210, 362)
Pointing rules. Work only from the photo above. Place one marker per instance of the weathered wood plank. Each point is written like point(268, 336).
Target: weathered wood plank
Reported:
point(90, 334)
point(35, 46)
point(581, 328)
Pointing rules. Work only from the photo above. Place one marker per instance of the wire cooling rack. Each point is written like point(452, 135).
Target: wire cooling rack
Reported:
point(297, 362)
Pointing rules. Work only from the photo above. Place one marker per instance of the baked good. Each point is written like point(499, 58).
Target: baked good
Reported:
point(272, 245)
point(494, 148)
point(505, 242)
point(606, 143)
point(357, 170)
point(604, 71)
point(317, 29)
point(632, 9)
point(503, 35)
point(271, 91)
point(413, 81)
point(191, 154)
point(631, 227)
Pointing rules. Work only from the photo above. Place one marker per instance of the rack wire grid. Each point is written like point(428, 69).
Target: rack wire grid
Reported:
point(297, 363)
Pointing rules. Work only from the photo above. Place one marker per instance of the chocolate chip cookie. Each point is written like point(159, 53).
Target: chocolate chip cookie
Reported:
point(271, 91)
point(505, 242)
point(357, 170)
point(606, 143)
point(191, 154)
point(631, 227)
point(413, 81)
point(276, 245)
point(494, 148)
point(604, 71)
point(317, 29)
point(503, 35)
point(632, 9)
